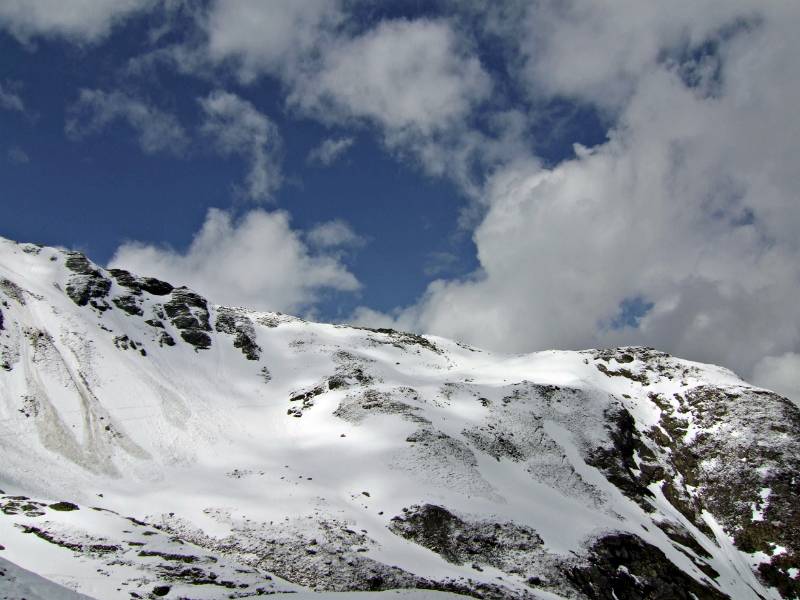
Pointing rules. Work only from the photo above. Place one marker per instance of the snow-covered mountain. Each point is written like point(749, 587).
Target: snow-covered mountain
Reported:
point(153, 444)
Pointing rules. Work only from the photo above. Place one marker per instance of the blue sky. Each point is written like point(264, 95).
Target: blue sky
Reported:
point(516, 175)
point(97, 192)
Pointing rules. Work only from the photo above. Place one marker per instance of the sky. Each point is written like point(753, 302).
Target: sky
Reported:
point(519, 175)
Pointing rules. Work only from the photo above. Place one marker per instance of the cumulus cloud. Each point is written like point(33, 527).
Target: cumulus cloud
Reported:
point(77, 20)
point(330, 150)
point(779, 373)
point(237, 128)
point(417, 82)
point(334, 234)
point(598, 51)
point(269, 37)
point(18, 156)
point(10, 100)
point(258, 261)
point(690, 207)
point(157, 130)
point(400, 75)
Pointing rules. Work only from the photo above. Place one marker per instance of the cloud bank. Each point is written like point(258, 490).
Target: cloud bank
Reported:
point(691, 205)
point(257, 261)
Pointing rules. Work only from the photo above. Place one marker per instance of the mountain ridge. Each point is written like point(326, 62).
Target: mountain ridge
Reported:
point(337, 458)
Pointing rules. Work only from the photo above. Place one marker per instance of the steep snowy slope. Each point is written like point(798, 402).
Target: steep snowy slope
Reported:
point(153, 444)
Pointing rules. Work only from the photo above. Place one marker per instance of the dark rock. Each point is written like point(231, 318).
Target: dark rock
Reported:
point(199, 339)
point(12, 290)
point(156, 287)
point(617, 463)
point(129, 304)
point(184, 558)
point(188, 312)
point(733, 487)
point(64, 506)
point(501, 545)
point(402, 338)
point(623, 372)
point(87, 284)
point(78, 263)
point(185, 303)
point(161, 590)
point(239, 325)
point(137, 285)
point(126, 279)
point(623, 566)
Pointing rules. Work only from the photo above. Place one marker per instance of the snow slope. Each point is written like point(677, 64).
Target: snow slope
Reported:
point(188, 440)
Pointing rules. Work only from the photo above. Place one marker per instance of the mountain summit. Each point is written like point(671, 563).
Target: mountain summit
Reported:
point(154, 444)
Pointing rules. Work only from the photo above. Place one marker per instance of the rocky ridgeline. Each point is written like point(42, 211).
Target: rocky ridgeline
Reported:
point(706, 464)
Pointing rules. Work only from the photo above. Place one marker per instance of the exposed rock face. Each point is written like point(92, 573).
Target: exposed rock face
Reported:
point(87, 285)
point(618, 462)
point(137, 285)
point(506, 546)
point(742, 467)
point(623, 567)
point(188, 312)
point(240, 326)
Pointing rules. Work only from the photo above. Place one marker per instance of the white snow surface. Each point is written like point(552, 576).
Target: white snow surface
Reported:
point(205, 445)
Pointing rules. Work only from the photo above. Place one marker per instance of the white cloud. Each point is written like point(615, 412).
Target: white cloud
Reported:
point(400, 75)
point(77, 20)
point(10, 100)
point(269, 37)
point(330, 150)
point(439, 263)
point(334, 234)
point(691, 205)
point(598, 50)
point(258, 261)
point(237, 128)
point(18, 156)
point(157, 130)
point(780, 373)
point(417, 81)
